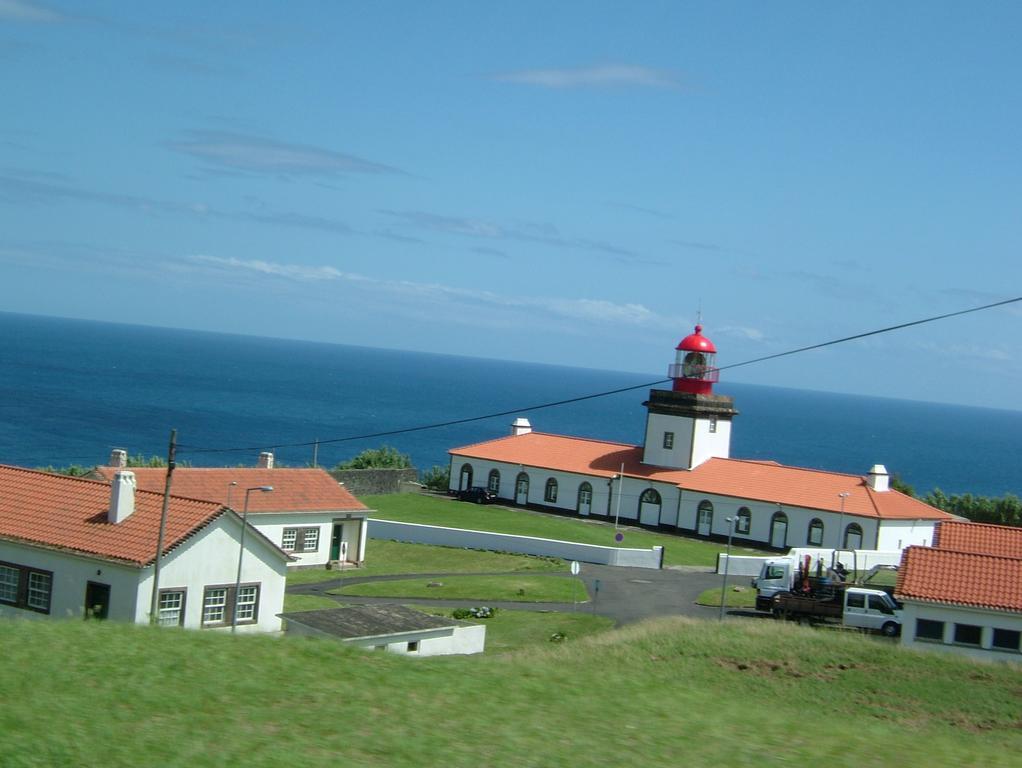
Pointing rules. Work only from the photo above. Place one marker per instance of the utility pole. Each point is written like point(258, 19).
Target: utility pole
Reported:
point(315, 453)
point(154, 600)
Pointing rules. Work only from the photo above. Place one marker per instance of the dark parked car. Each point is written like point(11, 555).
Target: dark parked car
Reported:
point(477, 494)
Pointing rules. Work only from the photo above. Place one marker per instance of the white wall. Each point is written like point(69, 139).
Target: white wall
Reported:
point(210, 558)
point(952, 614)
point(503, 542)
point(272, 526)
point(71, 573)
point(898, 534)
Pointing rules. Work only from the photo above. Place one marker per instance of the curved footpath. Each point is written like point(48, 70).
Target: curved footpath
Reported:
point(625, 594)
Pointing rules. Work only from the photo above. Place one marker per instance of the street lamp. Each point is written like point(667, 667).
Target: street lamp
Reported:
point(727, 563)
point(230, 487)
point(841, 520)
point(241, 549)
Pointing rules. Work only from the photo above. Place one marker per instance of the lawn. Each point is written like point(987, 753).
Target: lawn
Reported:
point(523, 588)
point(515, 630)
point(390, 557)
point(734, 597)
point(665, 693)
point(440, 510)
point(296, 603)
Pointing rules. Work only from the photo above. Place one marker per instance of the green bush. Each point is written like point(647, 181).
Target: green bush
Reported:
point(437, 478)
point(383, 457)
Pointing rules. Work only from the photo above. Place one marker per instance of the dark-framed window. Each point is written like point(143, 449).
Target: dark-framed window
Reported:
point(522, 487)
point(928, 629)
point(300, 539)
point(968, 634)
point(853, 536)
point(1006, 639)
point(585, 495)
point(815, 536)
point(220, 604)
point(171, 607)
point(465, 477)
point(744, 522)
point(668, 440)
point(25, 587)
point(713, 424)
point(550, 494)
point(649, 496)
point(493, 481)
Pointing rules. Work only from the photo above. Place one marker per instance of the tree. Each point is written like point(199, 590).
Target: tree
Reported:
point(1004, 510)
point(437, 478)
point(383, 457)
point(900, 485)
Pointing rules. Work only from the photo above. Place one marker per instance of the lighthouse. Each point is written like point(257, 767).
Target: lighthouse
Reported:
point(688, 424)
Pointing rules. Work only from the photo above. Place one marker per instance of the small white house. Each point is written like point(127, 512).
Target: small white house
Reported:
point(392, 628)
point(307, 514)
point(964, 594)
point(682, 478)
point(77, 548)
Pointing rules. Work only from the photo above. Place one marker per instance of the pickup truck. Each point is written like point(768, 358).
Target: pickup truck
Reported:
point(871, 609)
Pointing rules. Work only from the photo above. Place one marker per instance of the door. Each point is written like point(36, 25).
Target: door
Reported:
point(649, 507)
point(335, 541)
point(585, 498)
point(779, 530)
point(97, 600)
point(704, 518)
point(522, 489)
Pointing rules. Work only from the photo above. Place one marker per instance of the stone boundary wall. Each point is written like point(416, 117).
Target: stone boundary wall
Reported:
point(525, 545)
point(374, 481)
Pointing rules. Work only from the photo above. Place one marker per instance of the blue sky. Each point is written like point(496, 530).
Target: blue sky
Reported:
point(556, 182)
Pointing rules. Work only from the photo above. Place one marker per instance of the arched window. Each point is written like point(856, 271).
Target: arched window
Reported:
point(550, 494)
point(465, 479)
point(704, 518)
point(522, 488)
point(779, 530)
point(744, 522)
point(493, 482)
point(853, 536)
point(815, 537)
point(649, 496)
point(585, 498)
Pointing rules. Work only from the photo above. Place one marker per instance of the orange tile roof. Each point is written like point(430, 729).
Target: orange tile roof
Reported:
point(979, 538)
point(960, 578)
point(294, 490)
point(754, 480)
point(70, 513)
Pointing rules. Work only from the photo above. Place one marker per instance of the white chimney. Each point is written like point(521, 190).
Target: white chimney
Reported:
point(878, 478)
point(118, 458)
point(520, 426)
point(265, 460)
point(122, 497)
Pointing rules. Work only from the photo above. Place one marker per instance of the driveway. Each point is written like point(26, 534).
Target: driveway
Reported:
point(624, 595)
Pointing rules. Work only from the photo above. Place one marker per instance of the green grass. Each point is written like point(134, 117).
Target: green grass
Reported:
point(439, 510)
point(392, 557)
point(519, 588)
point(734, 597)
point(741, 693)
point(295, 603)
point(511, 631)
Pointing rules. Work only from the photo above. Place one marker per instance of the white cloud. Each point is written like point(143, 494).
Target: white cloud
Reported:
point(601, 76)
point(19, 10)
point(589, 310)
point(257, 154)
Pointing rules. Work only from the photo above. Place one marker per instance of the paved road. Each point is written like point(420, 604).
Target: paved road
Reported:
point(625, 594)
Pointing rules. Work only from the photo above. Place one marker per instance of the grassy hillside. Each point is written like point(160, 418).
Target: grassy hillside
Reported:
point(674, 692)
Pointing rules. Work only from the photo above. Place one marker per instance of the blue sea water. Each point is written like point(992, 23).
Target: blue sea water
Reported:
point(71, 390)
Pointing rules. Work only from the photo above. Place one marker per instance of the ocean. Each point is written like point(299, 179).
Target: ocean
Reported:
point(71, 390)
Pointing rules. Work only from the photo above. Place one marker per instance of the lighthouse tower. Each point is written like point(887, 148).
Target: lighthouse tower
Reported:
point(688, 424)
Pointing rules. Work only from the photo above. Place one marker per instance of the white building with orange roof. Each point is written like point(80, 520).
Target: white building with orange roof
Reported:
point(682, 479)
point(308, 513)
point(964, 594)
point(76, 548)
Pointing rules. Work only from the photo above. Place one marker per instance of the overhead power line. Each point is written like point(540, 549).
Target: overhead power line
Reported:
point(581, 398)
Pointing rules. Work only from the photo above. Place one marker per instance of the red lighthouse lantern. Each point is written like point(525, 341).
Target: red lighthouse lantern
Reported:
point(694, 370)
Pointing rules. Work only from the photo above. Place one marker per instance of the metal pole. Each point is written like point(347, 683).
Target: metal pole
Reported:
point(841, 522)
point(230, 487)
point(241, 551)
point(154, 598)
point(620, 492)
point(727, 564)
point(315, 453)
